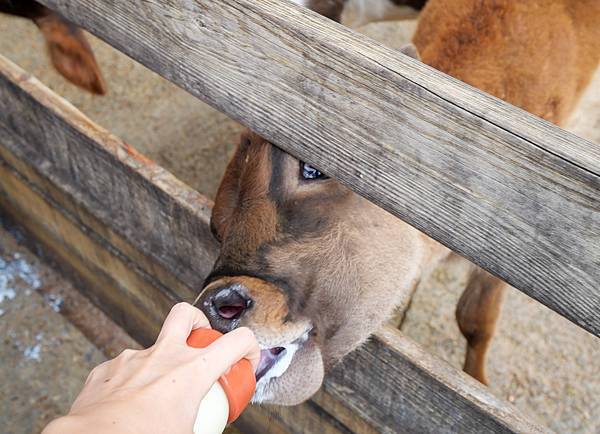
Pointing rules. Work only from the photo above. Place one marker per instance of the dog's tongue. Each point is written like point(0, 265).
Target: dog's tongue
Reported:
point(268, 358)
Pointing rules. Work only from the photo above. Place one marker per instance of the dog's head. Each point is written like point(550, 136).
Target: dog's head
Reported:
point(307, 264)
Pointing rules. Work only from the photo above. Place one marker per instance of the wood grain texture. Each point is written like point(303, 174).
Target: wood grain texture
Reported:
point(108, 278)
point(138, 200)
point(143, 264)
point(309, 417)
point(388, 385)
point(516, 195)
point(396, 386)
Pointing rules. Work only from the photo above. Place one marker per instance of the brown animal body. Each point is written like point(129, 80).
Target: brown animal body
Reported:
point(538, 55)
point(364, 11)
point(314, 268)
point(69, 51)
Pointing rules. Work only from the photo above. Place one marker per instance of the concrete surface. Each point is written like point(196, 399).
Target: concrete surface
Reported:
point(45, 359)
point(52, 336)
point(545, 365)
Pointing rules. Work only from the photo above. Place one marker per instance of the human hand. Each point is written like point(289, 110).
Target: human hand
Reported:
point(160, 388)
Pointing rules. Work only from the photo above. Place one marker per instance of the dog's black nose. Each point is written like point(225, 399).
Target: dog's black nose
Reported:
point(231, 302)
point(225, 306)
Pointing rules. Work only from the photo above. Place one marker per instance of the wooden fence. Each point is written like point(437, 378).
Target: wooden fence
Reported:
point(515, 194)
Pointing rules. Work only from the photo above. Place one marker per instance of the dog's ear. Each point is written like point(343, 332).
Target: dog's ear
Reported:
point(227, 195)
point(410, 50)
point(71, 53)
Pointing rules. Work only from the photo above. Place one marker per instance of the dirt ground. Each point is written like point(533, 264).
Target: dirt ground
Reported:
point(52, 337)
point(539, 361)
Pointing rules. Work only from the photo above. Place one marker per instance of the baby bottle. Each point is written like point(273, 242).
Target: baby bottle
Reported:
point(229, 396)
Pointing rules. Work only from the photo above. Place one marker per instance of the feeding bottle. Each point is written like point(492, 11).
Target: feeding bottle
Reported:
point(229, 396)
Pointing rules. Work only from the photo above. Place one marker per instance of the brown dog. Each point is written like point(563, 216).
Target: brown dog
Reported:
point(313, 268)
point(69, 51)
point(364, 11)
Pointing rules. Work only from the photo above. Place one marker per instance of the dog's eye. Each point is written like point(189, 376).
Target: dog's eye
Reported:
point(309, 172)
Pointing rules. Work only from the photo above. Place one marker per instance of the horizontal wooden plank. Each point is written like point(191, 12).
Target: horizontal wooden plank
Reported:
point(420, 392)
point(111, 280)
point(514, 194)
point(138, 200)
point(396, 386)
point(81, 217)
point(309, 417)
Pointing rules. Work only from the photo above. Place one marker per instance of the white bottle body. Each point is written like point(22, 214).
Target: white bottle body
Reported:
point(213, 412)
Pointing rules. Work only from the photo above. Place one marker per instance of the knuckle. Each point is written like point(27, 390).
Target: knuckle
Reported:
point(127, 353)
point(245, 333)
point(98, 369)
point(181, 307)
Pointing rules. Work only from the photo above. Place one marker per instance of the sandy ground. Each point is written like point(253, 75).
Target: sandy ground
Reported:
point(45, 358)
point(52, 336)
point(539, 361)
point(170, 126)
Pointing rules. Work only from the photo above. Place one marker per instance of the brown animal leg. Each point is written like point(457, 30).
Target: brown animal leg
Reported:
point(476, 313)
point(70, 53)
point(331, 9)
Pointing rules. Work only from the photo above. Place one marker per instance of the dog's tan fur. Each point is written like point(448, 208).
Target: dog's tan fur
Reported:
point(68, 48)
point(326, 271)
point(337, 264)
point(538, 55)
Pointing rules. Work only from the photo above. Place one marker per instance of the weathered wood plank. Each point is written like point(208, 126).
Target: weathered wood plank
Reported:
point(419, 390)
point(79, 216)
point(309, 417)
point(107, 177)
point(109, 279)
point(395, 385)
point(516, 195)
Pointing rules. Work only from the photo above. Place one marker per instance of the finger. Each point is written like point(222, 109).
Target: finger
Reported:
point(229, 349)
point(181, 320)
point(98, 372)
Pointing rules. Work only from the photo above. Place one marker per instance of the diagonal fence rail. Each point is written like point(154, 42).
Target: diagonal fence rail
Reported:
point(516, 195)
point(136, 240)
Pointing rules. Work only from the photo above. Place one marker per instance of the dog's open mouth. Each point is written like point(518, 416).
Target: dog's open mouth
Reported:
point(276, 360)
point(268, 358)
